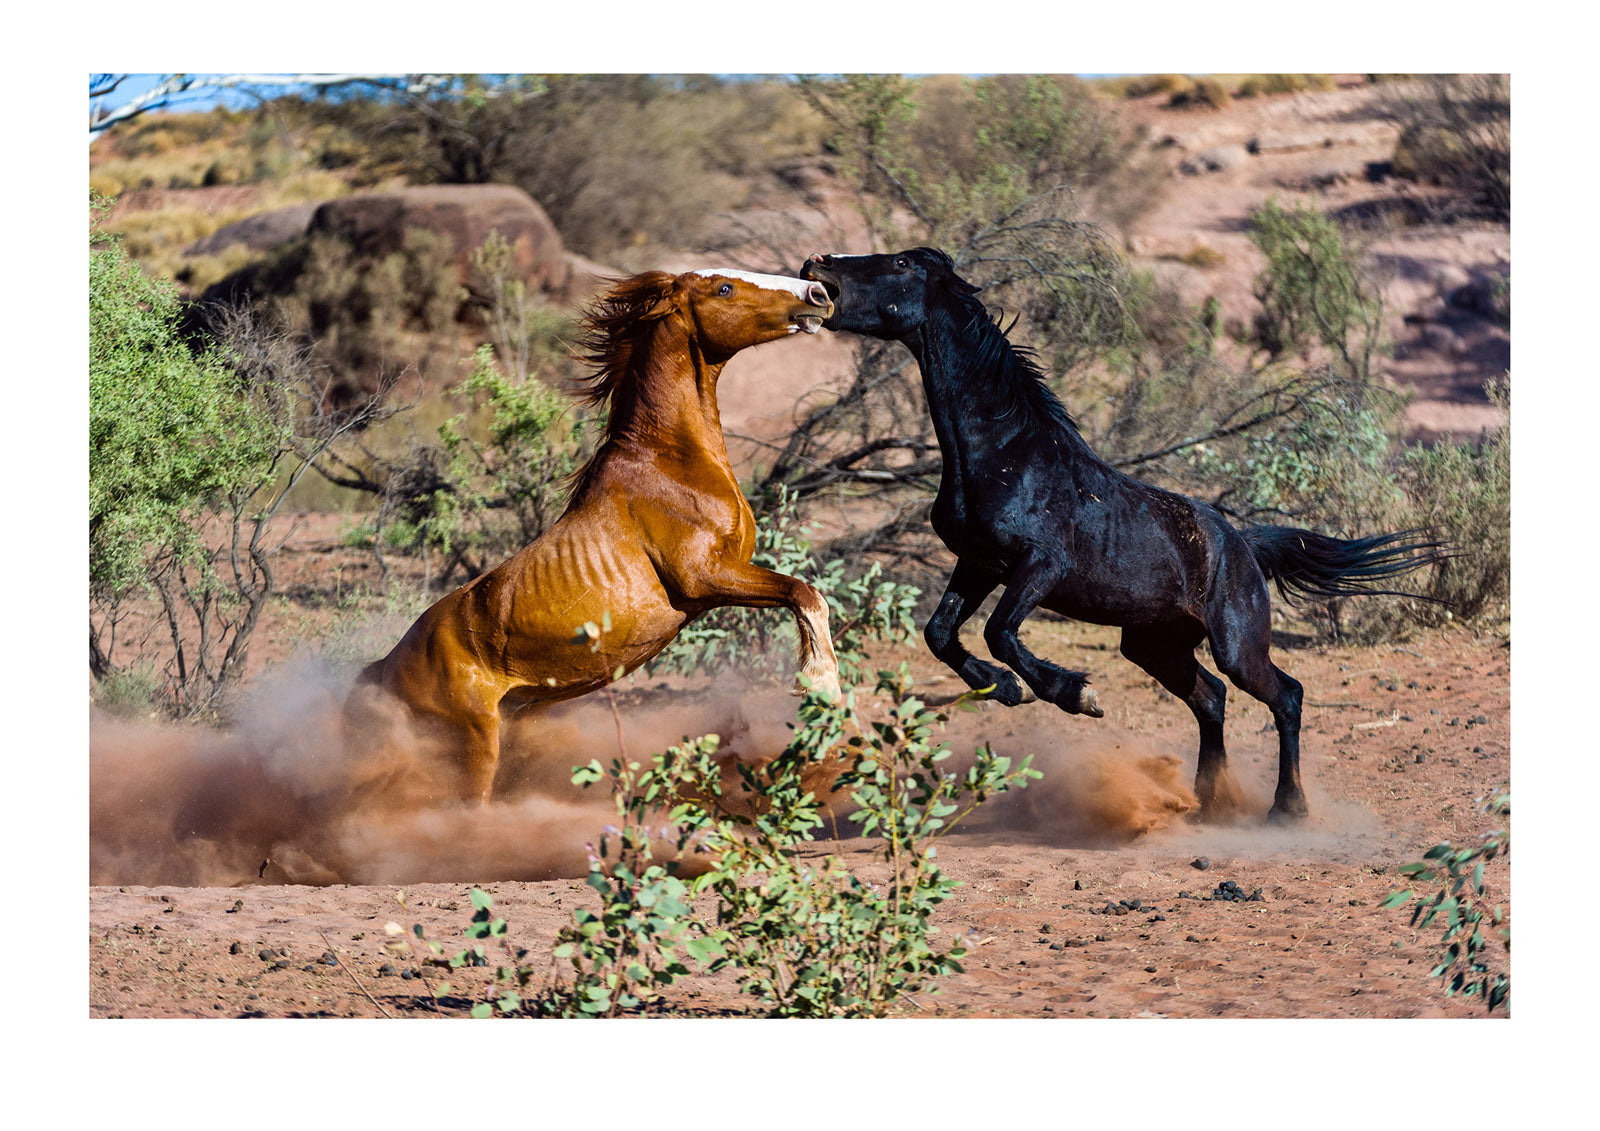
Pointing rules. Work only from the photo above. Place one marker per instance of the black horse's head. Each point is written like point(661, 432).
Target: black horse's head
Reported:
point(886, 296)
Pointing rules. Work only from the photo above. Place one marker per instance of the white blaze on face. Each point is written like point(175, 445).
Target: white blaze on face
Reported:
point(800, 288)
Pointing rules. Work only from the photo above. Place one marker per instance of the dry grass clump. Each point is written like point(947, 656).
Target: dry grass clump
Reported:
point(1142, 86)
point(1251, 86)
point(1205, 94)
point(1202, 256)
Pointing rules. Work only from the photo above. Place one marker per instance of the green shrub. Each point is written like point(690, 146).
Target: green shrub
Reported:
point(1460, 492)
point(1461, 899)
point(1313, 291)
point(192, 451)
point(815, 939)
point(1327, 464)
point(169, 433)
point(130, 692)
point(501, 492)
point(806, 938)
point(621, 956)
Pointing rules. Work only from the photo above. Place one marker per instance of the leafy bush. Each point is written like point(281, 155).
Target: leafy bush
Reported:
point(1313, 291)
point(497, 494)
point(816, 940)
point(191, 454)
point(806, 939)
point(1460, 492)
point(1462, 899)
point(623, 954)
point(168, 431)
point(172, 440)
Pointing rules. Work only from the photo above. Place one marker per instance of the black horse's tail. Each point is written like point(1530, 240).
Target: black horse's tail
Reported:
point(1303, 563)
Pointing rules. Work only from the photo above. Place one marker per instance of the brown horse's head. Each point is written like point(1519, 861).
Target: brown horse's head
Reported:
point(722, 311)
point(732, 310)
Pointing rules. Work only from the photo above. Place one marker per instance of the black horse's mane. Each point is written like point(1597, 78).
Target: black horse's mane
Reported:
point(1019, 378)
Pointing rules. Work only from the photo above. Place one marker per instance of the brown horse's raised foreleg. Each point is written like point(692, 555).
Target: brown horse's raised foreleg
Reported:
point(750, 586)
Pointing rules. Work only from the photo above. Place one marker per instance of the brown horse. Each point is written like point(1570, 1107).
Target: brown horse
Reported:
point(657, 530)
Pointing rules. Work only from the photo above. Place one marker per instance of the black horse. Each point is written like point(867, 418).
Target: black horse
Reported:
point(1024, 503)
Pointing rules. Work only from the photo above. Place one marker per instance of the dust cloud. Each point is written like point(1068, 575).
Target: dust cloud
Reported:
point(279, 798)
point(1103, 786)
point(1096, 790)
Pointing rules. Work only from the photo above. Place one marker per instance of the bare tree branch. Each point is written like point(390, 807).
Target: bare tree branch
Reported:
point(172, 87)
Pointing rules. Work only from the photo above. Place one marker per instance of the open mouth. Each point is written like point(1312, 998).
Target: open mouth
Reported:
point(808, 323)
point(818, 272)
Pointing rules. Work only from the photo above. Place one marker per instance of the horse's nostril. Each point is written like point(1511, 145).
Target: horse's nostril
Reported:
point(816, 257)
point(817, 295)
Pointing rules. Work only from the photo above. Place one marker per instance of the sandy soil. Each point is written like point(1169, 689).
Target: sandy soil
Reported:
point(1090, 894)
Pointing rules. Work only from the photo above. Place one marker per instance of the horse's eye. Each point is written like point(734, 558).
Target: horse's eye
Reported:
point(725, 290)
point(901, 261)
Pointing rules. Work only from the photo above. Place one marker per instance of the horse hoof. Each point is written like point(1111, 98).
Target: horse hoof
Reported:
point(1290, 814)
point(1089, 704)
point(826, 685)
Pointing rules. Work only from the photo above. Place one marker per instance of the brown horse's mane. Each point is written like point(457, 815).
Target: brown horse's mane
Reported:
point(611, 331)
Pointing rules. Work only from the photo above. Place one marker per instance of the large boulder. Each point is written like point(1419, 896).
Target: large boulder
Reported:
point(374, 224)
point(261, 232)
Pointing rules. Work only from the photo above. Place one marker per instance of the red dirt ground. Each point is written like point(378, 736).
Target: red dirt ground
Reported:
point(1399, 745)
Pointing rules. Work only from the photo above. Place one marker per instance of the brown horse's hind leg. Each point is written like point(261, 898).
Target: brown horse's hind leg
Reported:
point(1167, 653)
point(460, 743)
point(480, 756)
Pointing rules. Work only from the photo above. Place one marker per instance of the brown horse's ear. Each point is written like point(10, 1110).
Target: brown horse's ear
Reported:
point(660, 308)
point(655, 295)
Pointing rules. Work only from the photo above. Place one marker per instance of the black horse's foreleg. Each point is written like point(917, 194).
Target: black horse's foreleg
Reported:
point(1168, 655)
point(1030, 583)
point(965, 592)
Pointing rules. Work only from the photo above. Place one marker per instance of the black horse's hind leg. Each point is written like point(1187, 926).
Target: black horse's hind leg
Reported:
point(962, 596)
point(1239, 645)
point(1167, 653)
point(1030, 583)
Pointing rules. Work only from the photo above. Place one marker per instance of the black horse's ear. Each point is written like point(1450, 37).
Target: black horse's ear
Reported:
point(947, 272)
